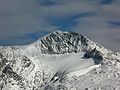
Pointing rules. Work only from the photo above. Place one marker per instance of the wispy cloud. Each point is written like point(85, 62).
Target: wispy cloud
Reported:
point(20, 17)
point(27, 20)
point(103, 27)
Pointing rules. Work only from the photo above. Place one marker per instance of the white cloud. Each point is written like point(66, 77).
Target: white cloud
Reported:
point(69, 8)
point(21, 17)
point(97, 27)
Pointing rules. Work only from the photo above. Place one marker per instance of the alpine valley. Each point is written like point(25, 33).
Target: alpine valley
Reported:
point(59, 61)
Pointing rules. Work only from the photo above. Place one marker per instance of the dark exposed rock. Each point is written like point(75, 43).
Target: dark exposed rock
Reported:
point(10, 73)
point(96, 55)
point(62, 42)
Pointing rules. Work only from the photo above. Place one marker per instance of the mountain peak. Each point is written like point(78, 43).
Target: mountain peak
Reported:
point(61, 42)
point(32, 67)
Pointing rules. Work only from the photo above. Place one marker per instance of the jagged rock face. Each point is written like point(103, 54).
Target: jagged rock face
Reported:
point(63, 42)
point(60, 42)
point(95, 55)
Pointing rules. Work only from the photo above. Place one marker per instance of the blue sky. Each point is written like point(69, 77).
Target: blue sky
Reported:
point(24, 21)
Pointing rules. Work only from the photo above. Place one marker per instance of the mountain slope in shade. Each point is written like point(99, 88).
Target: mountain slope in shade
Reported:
point(59, 61)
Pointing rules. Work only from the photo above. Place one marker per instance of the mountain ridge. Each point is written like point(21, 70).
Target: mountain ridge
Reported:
point(70, 39)
point(56, 62)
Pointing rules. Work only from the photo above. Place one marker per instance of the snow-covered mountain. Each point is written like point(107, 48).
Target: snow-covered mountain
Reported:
point(59, 61)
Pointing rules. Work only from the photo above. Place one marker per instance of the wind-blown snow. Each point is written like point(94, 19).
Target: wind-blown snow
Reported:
point(68, 61)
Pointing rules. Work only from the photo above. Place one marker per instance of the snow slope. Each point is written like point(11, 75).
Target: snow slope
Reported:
point(59, 61)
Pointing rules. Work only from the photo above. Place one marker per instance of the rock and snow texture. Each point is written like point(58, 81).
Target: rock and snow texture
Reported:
point(59, 61)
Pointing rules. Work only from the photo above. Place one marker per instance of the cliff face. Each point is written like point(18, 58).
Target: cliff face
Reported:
point(66, 42)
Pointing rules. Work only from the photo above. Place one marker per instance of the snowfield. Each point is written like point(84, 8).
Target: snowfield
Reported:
point(59, 61)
